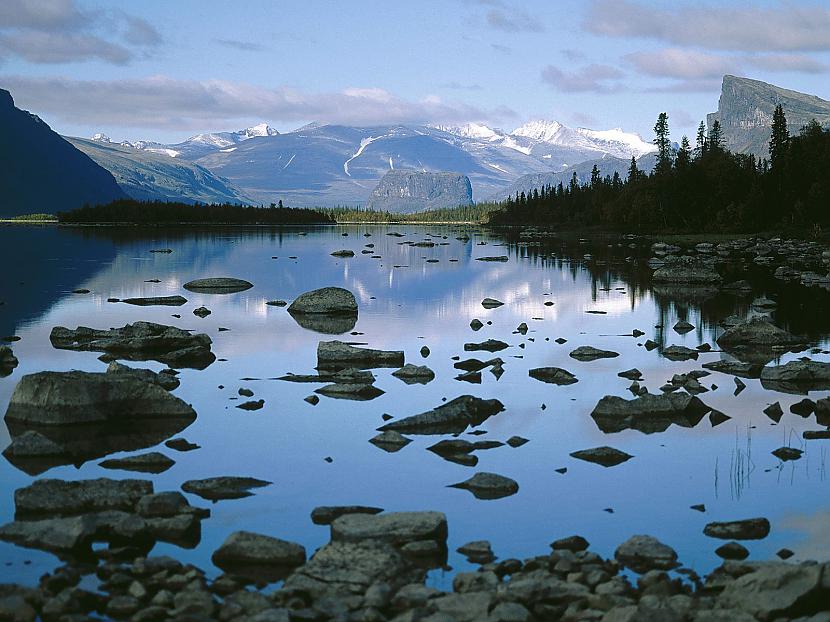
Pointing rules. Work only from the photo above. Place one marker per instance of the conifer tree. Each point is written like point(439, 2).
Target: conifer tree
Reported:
point(684, 154)
point(715, 140)
point(779, 138)
point(662, 142)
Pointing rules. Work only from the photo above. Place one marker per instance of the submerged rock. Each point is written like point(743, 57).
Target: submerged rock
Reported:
point(226, 487)
point(491, 303)
point(489, 486)
point(140, 341)
point(552, 375)
point(454, 416)
point(218, 285)
point(648, 413)
point(589, 353)
point(152, 462)
point(491, 345)
point(150, 301)
point(644, 553)
point(258, 556)
point(341, 354)
point(605, 456)
point(748, 529)
point(390, 441)
point(346, 391)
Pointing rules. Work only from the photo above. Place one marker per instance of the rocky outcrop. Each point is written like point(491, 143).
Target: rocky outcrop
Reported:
point(745, 113)
point(404, 192)
point(140, 341)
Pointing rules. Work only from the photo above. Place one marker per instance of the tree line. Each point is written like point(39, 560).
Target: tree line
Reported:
point(701, 188)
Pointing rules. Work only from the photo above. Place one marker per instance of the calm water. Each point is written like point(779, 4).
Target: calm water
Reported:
point(406, 307)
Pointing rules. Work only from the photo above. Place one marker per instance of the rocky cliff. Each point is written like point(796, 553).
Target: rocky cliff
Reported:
point(404, 192)
point(42, 173)
point(745, 113)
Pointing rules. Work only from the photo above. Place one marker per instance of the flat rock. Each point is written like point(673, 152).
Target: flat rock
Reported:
point(735, 368)
point(757, 331)
point(552, 375)
point(247, 554)
point(218, 285)
point(327, 514)
point(774, 590)
point(648, 413)
point(631, 374)
point(347, 391)
point(341, 354)
point(56, 497)
point(390, 441)
point(151, 301)
point(797, 376)
point(644, 553)
point(492, 258)
point(152, 462)
point(687, 270)
point(393, 527)
point(605, 456)
point(786, 454)
point(489, 486)
point(491, 345)
point(342, 253)
point(225, 487)
point(589, 353)
point(452, 417)
point(491, 303)
point(139, 341)
point(414, 374)
point(680, 353)
point(748, 529)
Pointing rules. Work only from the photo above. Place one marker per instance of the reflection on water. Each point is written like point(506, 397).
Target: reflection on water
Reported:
point(409, 297)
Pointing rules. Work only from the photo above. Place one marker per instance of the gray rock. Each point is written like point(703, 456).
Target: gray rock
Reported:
point(786, 454)
point(491, 345)
point(732, 550)
point(489, 486)
point(406, 191)
point(454, 416)
point(327, 301)
point(680, 353)
point(8, 361)
point(394, 527)
point(644, 553)
point(140, 341)
point(797, 376)
point(605, 456)
point(571, 543)
point(478, 552)
point(589, 353)
point(358, 392)
point(339, 354)
point(735, 368)
point(687, 270)
point(552, 375)
point(748, 529)
point(225, 487)
point(390, 441)
point(33, 444)
point(648, 413)
point(631, 374)
point(166, 381)
point(327, 514)
point(152, 462)
point(55, 497)
point(150, 301)
point(342, 253)
point(757, 331)
point(490, 303)
point(218, 285)
point(71, 398)
point(774, 590)
point(252, 554)
point(414, 374)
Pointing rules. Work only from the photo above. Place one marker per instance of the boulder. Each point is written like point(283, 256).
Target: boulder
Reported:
point(589, 353)
point(339, 354)
point(648, 413)
point(748, 529)
point(390, 441)
point(327, 514)
point(687, 270)
point(326, 300)
point(165, 380)
point(798, 376)
point(489, 486)
point(218, 285)
point(8, 361)
point(152, 462)
point(552, 375)
point(258, 556)
point(224, 487)
point(680, 353)
point(491, 345)
point(605, 456)
point(757, 331)
point(644, 553)
point(414, 374)
point(56, 497)
point(452, 417)
point(347, 391)
point(394, 527)
point(774, 590)
point(75, 397)
point(140, 341)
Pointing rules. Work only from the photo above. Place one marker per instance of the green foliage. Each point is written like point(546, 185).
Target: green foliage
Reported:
point(129, 211)
point(711, 189)
point(663, 144)
point(780, 137)
point(32, 218)
point(466, 213)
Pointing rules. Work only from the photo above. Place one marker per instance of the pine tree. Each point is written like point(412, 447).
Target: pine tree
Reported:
point(684, 154)
point(595, 178)
point(779, 138)
point(662, 142)
point(715, 140)
point(700, 142)
point(633, 171)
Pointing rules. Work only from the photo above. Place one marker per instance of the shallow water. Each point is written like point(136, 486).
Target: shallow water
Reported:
point(406, 303)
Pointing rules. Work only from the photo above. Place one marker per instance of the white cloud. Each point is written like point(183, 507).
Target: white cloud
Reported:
point(591, 78)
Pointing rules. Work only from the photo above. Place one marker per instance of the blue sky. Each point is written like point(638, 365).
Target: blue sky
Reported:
point(161, 69)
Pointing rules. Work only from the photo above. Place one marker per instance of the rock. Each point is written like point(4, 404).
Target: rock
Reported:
point(797, 377)
point(648, 413)
point(71, 398)
point(452, 417)
point(33, 444)
point(491, 345)
point(757, 331)
point(358, 392)
point(152, 462)
point(456, 446)
point(55, 497)
point(390, 441)
point(325, 301)
point(477, 552)
point(803, 408)
point(492, 258)
point(344, 376)
point(716, 418)
point(784, 553)
point(644, 553)
point(605, 456)
point(424, 351)
point(571, 543)
point(220, 285)
point(735, 368)
point(414, 374)
point(252, 405)
point(406, 191)
point(732, 550)
point(276, 303)
point(340, 354)
point(491, 303)
point(312, 399)
point(181, 444)
point(258, 556)
point(516, 441)
point(682, 327)
point(774, 590)
point(476, 324)
point(686, 270)
point(167, 301)
point(342, 253)
point(166, 379)
point(522, 328)
point(227, 487)
point(680, 353)
point(327, 514)
point(140, 341)
point(787, 453)
point(393, 527)
point(552, 375)
point(749, 529)
point(489, 486)
point(589, 353)
point(476, 364)
point(8, 361)
point(774, 412)
point(631, 374)
point(202, 312)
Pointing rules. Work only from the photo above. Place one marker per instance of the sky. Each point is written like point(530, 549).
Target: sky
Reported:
point(167, 69)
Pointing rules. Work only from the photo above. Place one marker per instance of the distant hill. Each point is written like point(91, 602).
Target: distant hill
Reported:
point(745, 113)
point(405, 192)
point(40, 172)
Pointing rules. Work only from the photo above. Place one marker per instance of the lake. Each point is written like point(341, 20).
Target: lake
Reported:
point(410, 297)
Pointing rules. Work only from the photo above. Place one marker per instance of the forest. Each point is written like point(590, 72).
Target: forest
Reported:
point(696, 189)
